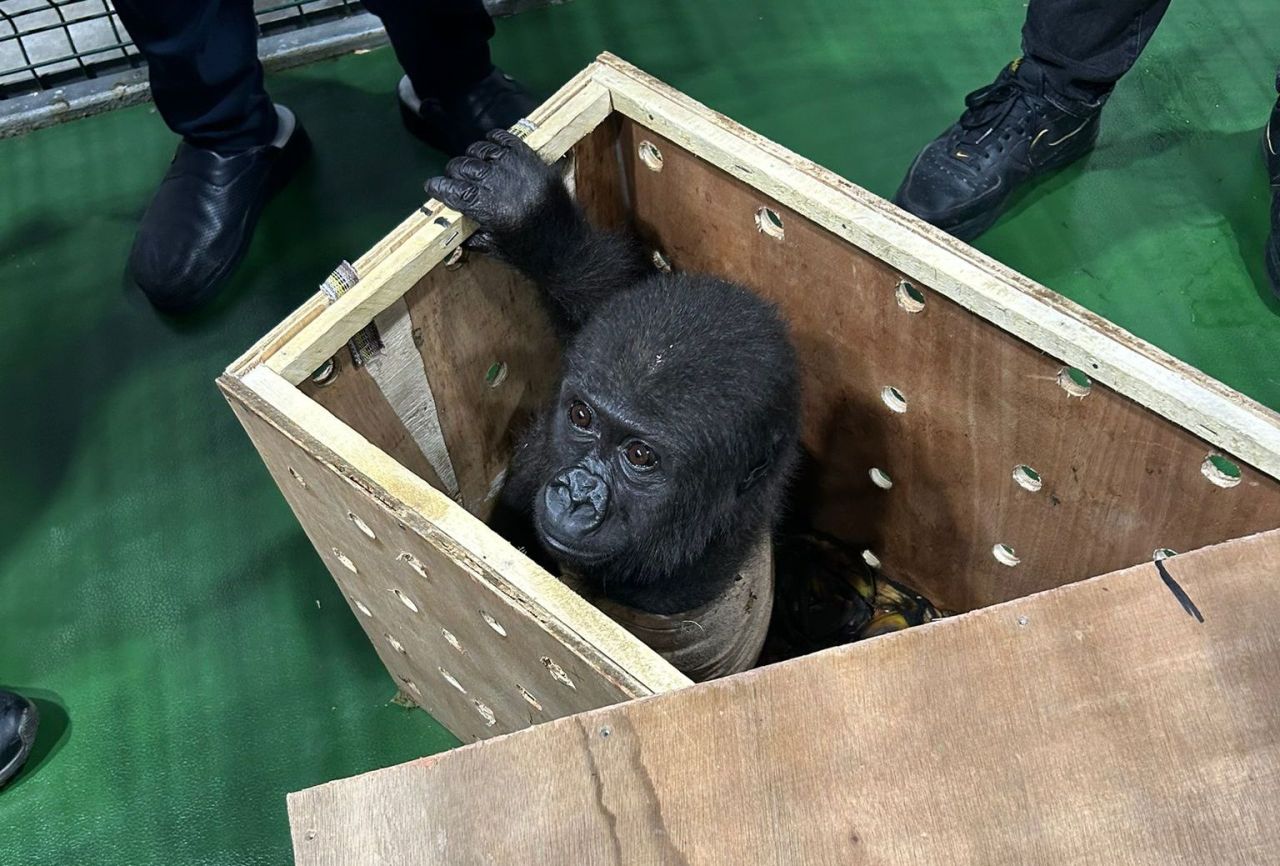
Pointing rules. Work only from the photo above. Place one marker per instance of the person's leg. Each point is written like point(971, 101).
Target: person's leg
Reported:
point(1041, 113)
point(237, 147)
point(451, 94)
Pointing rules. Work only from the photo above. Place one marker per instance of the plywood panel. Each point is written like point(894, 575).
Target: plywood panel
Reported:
point(1117, 480)
point(1093, 724)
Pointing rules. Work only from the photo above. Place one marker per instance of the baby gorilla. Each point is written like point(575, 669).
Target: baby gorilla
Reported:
point(659, 464)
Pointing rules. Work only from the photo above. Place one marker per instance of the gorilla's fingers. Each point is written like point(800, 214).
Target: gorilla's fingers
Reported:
point(460, 195)
point(508, 139)
point(485, 150)
point(481, 241)
point(467, 168)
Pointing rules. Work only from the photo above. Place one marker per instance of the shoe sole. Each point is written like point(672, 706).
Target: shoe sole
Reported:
point(425, 132)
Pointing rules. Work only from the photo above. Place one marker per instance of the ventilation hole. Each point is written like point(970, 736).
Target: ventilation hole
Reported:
point(768, 221)
point(362, 607)
point(1220, 471)
point(494, 624)
point(296, 477)
point(558, 673)
point(485, 713)
point(524, 693)
point(414, 564)
point(395, 644)
point(893, 398)
point(405, 600)
point(360, 524)
point(413, 687)
point(496, 374)
point(870, 559)
point(455, 259)
point(1074, 382)
point(1027, 478)
point(342, 557)
point(325, 373)
point(1162, 553)
point(661, 262)
point(909, 297)
point(650, 155)
point(451, 680)
point(880, 478)
point(1005, 555)
point(453, 640)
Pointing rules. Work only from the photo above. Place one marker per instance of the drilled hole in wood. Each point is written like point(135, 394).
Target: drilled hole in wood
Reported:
point(661, 262)
point(362, 607)
point(909, 297)
point(493, 623)
point(296, 477)
point(1220, 470)
point(326, 372)
point(532, 701)
point(451, 680)
point(650, 155)
point(395, 644)
point(557, 672)
point(1004, 555)
point(1027, 478)
point(893, 398)
point(405, 600)
point(360, 524)
point(452, 640)
point(496, 374)
point(1074, 382)
point(485, 713)
point(344, 559)
point(413, 563)
point(870, 559)
point(455, 259)
point(769, 223)
point(1163, 553)
point(880, 478)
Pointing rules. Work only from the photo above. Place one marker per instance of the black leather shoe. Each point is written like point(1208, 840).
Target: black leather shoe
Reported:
point(1271, 151)
point(18, 722)
point(201, 219)
point(1013, 130)
point(450, 125)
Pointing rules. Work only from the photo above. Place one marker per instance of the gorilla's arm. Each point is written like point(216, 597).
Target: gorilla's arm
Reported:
point(528, 219)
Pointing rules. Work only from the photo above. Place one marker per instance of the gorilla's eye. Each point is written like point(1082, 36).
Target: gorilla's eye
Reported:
point(640, 455)
point(579, 414)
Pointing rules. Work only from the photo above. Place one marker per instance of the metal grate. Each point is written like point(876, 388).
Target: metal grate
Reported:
point(45, 44)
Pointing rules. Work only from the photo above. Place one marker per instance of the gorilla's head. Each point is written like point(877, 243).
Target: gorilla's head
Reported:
point(674, 428)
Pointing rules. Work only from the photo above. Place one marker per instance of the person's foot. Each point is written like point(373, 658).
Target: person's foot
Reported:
point(1271, 150)
point(201, 219)
point(1012, 131)
point(496, 102)
point(18, 722)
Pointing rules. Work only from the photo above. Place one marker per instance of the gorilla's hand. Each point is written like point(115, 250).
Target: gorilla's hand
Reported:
point(503, 185)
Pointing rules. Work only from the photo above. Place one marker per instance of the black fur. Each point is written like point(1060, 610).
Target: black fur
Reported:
point(699, 370)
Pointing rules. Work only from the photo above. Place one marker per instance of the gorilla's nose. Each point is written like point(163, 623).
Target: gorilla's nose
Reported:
point(576, 501)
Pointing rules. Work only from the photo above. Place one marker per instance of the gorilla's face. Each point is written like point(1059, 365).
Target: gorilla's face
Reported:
point(609, 485)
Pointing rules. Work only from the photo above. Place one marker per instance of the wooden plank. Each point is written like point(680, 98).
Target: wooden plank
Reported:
point(1116, 479)
point(1093, 724)
point(423, 241)
point(1018, 305)
point(603, 660)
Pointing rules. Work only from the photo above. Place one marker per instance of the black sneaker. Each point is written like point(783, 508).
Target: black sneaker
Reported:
point(496, 102)
point(18, 722)
point(1013, 130)
point(201, 219)
point(1271, 151)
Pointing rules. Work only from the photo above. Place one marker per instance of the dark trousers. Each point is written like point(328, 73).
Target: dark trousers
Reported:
point(202, 57)
point(1085, 46)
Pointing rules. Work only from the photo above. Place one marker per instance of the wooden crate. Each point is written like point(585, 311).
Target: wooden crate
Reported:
point(1059, 720)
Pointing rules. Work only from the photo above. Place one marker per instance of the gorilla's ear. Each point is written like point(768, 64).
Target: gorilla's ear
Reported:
point(761, 469)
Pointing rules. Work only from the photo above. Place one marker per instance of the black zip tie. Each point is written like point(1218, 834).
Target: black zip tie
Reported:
point(1178, 592)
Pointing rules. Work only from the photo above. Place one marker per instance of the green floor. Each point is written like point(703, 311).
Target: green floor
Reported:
point(193, 660)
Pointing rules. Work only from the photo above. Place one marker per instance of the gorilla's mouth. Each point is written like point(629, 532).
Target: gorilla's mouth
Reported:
point(567, 550)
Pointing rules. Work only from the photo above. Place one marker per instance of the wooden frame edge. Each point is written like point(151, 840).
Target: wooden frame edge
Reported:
point(1024, 308)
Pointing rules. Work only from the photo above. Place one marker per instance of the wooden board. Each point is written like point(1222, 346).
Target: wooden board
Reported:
point(1093, 724)
point(455, 622)
point(1117, 479)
